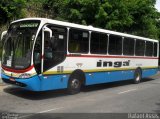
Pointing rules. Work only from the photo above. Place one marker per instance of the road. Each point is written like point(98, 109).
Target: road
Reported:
point(119, 97)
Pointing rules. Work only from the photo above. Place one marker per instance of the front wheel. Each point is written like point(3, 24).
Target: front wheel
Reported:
point(137, 76)
point(74, 85)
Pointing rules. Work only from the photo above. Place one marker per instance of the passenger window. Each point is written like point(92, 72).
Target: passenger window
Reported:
point(155, 49)
point(140, 47)
point(99, 43)
point(78, 41)
point(128, 46)
point(115, 45)
point(149, 48)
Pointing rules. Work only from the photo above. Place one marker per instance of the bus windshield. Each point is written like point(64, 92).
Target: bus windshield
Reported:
point(18, 44)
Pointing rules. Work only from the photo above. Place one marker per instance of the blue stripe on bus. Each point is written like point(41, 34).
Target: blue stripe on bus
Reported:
point(32, 83)
point(42, 83)
point(103, 77)
point(149, 72)
point(53, 82)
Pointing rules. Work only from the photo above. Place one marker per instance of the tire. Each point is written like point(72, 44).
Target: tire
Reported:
point(74, 85)
point(137, 76)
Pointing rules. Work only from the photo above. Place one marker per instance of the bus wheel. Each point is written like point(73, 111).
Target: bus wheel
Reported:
point(74, 85)
point(137, 76)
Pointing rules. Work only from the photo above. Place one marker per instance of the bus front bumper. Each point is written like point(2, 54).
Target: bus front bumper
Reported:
point(32, 83)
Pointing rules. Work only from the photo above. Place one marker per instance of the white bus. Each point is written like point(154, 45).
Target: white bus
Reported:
point(41, 54)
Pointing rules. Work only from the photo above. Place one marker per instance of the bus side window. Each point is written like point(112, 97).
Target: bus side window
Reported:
point(78, 41)
point(155, 49)
point(74, 47)
point(115, 45)
point(149, 48)
point(99, 43)
point(140, 47)
point(128, 46)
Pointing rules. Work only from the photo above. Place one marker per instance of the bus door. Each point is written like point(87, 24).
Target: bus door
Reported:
point(46, 48)
point(54, 45)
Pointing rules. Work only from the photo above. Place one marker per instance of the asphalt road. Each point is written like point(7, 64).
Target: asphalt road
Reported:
point(118, 97)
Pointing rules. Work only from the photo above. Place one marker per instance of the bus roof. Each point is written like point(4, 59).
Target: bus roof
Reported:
point(91, 28)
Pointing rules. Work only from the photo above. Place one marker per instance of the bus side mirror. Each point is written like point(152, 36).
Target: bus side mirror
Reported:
point(3, 35)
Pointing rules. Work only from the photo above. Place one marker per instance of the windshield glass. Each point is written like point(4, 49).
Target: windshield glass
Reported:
point(18, 44)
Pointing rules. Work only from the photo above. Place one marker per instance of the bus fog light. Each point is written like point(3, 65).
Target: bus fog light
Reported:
point(25, 75)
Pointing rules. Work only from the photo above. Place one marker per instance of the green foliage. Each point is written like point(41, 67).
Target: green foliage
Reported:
point(145, 18)
point(131, 16)
point(55, 8)
point(138, 17)
point(11, 9)
point(82, 11)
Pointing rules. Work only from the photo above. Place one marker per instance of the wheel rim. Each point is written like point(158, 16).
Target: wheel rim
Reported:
point(75, 83)
point(137, 77)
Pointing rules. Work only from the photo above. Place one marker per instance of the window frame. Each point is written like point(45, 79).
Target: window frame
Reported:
point(143, 49)
point(107, 41)
point(121, 45)
point(68, 40)
point(156, 49)
point(125, 38)
point(152, 49)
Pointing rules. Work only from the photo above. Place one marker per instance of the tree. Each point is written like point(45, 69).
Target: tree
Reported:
point(55, 8)
point(144, 16)
point(11, 9)
point(131, 16)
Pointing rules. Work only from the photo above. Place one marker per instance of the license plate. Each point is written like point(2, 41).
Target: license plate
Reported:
point(12, 79)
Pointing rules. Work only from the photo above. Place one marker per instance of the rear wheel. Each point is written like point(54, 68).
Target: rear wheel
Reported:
point(74, 85)
point(137, 76)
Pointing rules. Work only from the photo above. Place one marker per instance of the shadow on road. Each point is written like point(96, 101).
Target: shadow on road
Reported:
point(31, 95)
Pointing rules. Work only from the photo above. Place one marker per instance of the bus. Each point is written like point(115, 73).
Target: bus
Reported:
point(41, 54)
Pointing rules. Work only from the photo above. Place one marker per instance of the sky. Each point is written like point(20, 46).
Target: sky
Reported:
point(158, 5)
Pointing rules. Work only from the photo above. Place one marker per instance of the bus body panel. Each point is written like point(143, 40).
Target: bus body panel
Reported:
point(32, 83)
point(105, 77)
point(149, 72)
point(52, 79)
point(52, 82)
point(98, 68)
point(39, 83)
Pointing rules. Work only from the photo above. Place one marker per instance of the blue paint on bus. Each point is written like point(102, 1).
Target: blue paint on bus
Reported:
point(104, 77)
point(53, 82)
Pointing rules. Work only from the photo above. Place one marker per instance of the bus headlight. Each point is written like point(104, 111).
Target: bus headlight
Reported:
point(24, 76)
